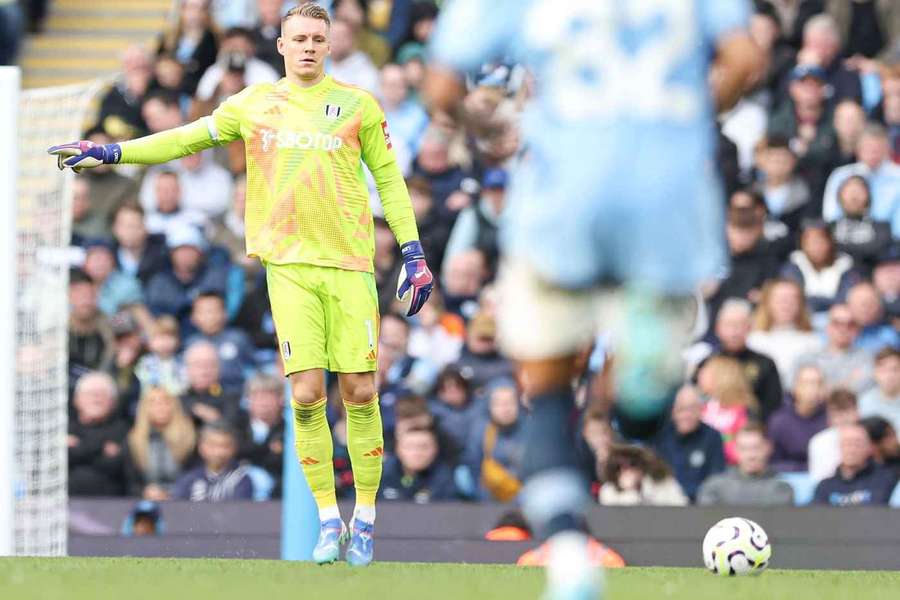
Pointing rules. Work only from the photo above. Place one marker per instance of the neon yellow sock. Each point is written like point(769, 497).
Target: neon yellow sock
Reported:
point(314, 451)
point(365, 442)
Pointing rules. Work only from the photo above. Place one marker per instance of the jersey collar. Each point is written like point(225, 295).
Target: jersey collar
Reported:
point(326, 81)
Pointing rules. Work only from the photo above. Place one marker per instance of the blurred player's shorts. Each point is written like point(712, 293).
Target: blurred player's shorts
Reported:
point(646, 331)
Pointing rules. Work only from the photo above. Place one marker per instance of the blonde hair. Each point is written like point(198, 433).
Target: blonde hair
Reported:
point(762, 318)
point(730, 385)
point(179, 435)
point(310, 10)
point(171, 38)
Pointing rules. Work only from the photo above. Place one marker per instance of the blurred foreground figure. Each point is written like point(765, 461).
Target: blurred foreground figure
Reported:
point(594, 234)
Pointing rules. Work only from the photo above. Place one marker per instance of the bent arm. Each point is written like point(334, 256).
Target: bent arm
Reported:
point(738, 66)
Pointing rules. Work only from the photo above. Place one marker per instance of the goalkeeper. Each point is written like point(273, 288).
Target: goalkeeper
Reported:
point(309, 222)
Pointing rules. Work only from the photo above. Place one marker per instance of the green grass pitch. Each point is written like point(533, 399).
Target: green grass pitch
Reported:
point(177, 579)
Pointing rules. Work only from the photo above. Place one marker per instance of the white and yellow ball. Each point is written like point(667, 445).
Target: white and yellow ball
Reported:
point(736, 546)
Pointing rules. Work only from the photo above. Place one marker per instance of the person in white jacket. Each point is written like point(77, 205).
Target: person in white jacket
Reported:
point(635, 476)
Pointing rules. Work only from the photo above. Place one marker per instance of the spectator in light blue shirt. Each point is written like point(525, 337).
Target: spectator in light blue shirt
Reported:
point(406, 116)
point(873, 151)
point(476, 226)
point(884, 399)
point(116, 288)
point(868, 313)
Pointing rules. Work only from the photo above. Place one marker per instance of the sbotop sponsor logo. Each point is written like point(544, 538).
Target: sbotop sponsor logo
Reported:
point(300, 140)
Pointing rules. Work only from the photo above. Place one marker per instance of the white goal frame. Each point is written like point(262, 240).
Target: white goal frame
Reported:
point(10, 83)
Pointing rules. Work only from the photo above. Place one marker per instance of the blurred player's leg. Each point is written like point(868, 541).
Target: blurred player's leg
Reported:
point(647, 332)
point(365, 443)
point(555, 495)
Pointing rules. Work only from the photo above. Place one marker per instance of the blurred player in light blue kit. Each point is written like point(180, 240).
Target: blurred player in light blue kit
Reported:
point(615, 213)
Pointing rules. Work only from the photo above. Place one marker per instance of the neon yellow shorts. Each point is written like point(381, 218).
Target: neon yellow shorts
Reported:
point(325, 318)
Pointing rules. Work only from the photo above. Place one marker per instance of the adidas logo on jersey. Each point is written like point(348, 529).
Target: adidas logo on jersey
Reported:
point(299, 140)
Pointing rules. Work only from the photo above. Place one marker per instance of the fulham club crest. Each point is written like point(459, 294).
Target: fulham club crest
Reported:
point(332, 111)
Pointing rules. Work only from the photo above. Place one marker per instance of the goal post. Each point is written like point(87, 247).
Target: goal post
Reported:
point(37, 278)
point(10, 78)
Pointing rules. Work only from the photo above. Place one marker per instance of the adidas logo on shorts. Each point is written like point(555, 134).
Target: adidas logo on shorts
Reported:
point(286, 350)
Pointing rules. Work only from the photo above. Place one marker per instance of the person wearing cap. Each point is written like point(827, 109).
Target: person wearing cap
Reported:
point(171, 291)
point(883, 176)
point(821, 45)
point(144, 519)
point(805, 121)
point(480, 361)
point(476, 225)
point(412, 58)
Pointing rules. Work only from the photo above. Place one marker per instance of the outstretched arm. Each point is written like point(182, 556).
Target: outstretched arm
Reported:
point(220, 128)
point(149, 150)
point(171, 144)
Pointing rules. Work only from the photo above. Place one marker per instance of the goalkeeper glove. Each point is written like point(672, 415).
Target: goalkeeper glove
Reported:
point(85, 155)
point(415, 278)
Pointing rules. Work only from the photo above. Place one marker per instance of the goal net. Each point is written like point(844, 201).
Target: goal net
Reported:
point(41, 272)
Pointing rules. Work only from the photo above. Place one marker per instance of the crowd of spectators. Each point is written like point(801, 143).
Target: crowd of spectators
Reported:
point(792, 393)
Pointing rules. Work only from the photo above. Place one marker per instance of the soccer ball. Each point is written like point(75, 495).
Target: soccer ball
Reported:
point(736, 546)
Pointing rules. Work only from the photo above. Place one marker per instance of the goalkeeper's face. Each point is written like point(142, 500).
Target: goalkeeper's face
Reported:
point(305, 45)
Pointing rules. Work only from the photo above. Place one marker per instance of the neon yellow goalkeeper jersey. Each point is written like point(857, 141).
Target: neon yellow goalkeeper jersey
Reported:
point(307, 198)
